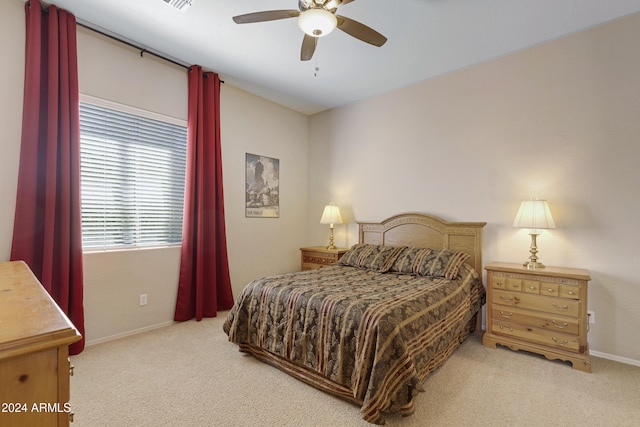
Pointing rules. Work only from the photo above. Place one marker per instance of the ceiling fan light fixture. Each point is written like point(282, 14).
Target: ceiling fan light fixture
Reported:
point(317, 22)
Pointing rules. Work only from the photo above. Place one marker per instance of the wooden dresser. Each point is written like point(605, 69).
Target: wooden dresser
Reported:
point(34, 352)
point(319, 256)
point(539, 310)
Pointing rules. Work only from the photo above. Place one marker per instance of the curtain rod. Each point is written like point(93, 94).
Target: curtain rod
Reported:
point(141, 49)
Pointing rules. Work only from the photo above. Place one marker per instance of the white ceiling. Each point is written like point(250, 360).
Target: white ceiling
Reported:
point(427, 38)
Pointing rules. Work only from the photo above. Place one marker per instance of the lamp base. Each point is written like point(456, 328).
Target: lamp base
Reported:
point(530, 265)
point(533, 259)
point(331, 244)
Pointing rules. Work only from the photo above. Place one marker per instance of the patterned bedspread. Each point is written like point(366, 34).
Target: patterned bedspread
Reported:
point(368, 337)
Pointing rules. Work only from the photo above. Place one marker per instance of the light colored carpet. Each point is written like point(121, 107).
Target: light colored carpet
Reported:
point(188, 374)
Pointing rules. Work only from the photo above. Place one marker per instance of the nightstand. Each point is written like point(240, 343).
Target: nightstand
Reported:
point(319, 256)
point(539, 310)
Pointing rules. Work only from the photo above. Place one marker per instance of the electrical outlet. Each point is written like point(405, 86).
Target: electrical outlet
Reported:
point(143, 299)
point(592, 317)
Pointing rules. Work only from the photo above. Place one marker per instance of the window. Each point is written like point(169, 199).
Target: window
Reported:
point(132, 176)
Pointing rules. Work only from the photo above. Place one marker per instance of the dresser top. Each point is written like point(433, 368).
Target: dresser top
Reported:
point(29, 317)
point(571, 273)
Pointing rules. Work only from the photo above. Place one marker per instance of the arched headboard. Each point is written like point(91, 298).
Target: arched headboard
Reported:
point(426, 231)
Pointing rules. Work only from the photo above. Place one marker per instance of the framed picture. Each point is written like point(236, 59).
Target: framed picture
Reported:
point(262, 186)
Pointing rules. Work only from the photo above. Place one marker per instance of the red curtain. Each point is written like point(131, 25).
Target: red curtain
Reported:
point(204, 286)
point(47, 231)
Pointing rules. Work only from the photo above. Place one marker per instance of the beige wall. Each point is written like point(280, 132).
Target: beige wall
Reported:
point(263, 246)
point(115, 279)
point(560, 120)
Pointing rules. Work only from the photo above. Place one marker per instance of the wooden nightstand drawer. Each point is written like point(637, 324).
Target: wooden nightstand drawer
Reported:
point(514, 284)
point(531, 286)
point(567, 325)
point(499, 283)
point(549, 289)
point(537, 302)
point(570, 291)
point(319, 256)
point(556, 340)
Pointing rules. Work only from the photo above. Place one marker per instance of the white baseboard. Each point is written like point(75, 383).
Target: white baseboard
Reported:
point(615, 358)
point(129, 333)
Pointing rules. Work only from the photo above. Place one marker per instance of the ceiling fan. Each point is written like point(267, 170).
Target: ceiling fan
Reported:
point(317, 18)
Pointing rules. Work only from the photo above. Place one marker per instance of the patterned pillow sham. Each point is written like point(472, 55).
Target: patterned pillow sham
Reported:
point(429, 262)
point(372, 257)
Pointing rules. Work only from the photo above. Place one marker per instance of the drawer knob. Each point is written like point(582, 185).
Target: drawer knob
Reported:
point(506, 327)
point(570, 292)
point(533, 288)
point(549, 290)
point(564, 342)
point(507, 315)
point(557, 307)
point(506, 299)
point(564, 325)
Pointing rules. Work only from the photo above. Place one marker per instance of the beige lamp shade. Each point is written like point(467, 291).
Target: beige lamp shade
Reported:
point(331, 215)
point(534, 214)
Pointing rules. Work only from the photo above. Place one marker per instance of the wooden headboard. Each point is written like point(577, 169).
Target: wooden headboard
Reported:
point(426, 231)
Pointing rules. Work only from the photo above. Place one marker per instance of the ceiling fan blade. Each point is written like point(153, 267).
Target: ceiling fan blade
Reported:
point(308, 47)
point(268, 15)
point(360, 31)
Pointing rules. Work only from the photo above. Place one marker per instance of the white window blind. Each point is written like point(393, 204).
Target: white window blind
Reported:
point(132, 177)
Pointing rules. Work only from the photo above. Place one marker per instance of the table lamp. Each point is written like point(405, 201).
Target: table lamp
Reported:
point(535, 215)
point(331, 215)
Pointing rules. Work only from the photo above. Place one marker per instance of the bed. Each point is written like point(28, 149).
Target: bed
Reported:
point(371, 327)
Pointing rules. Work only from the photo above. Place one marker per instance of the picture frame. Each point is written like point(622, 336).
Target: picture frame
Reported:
point(262, 186)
